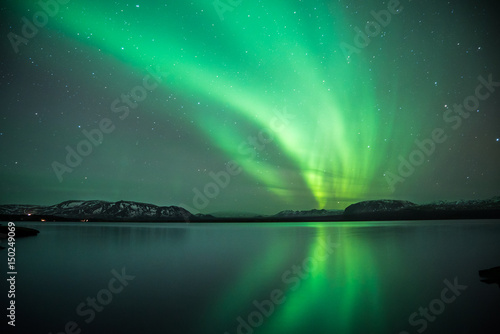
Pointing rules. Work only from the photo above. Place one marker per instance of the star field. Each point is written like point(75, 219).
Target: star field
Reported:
point(258, 106)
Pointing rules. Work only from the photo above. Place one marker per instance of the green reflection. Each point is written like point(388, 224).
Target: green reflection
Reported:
point(337, 292)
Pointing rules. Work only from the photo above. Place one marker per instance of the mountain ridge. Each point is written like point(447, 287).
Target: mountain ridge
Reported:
point(98, 209)
point(385, 209)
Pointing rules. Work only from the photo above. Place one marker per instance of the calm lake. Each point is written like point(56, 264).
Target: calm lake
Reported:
point(363, 277)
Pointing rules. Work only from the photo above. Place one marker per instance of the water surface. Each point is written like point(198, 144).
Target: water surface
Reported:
point(257, 278)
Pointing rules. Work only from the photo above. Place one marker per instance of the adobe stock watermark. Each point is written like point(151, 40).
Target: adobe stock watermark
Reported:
point(372, 28)
point(427, 147)
point(29, 29)
point(248, 149)
point(103, 298)
point(436, 307)
point(95, 137)
point(292, 277)
point(222, 6)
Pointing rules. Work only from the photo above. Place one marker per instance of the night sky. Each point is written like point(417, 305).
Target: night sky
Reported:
point(255, 106)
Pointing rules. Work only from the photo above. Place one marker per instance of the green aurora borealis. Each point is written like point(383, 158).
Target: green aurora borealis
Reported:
point(227, 82)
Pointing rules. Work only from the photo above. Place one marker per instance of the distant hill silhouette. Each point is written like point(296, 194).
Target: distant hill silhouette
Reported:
point(97, 211)
point(374, 210)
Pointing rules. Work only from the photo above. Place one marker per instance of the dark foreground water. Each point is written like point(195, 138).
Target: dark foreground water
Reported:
point(390, 277)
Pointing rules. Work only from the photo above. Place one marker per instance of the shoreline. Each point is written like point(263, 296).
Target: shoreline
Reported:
point(407, 214)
